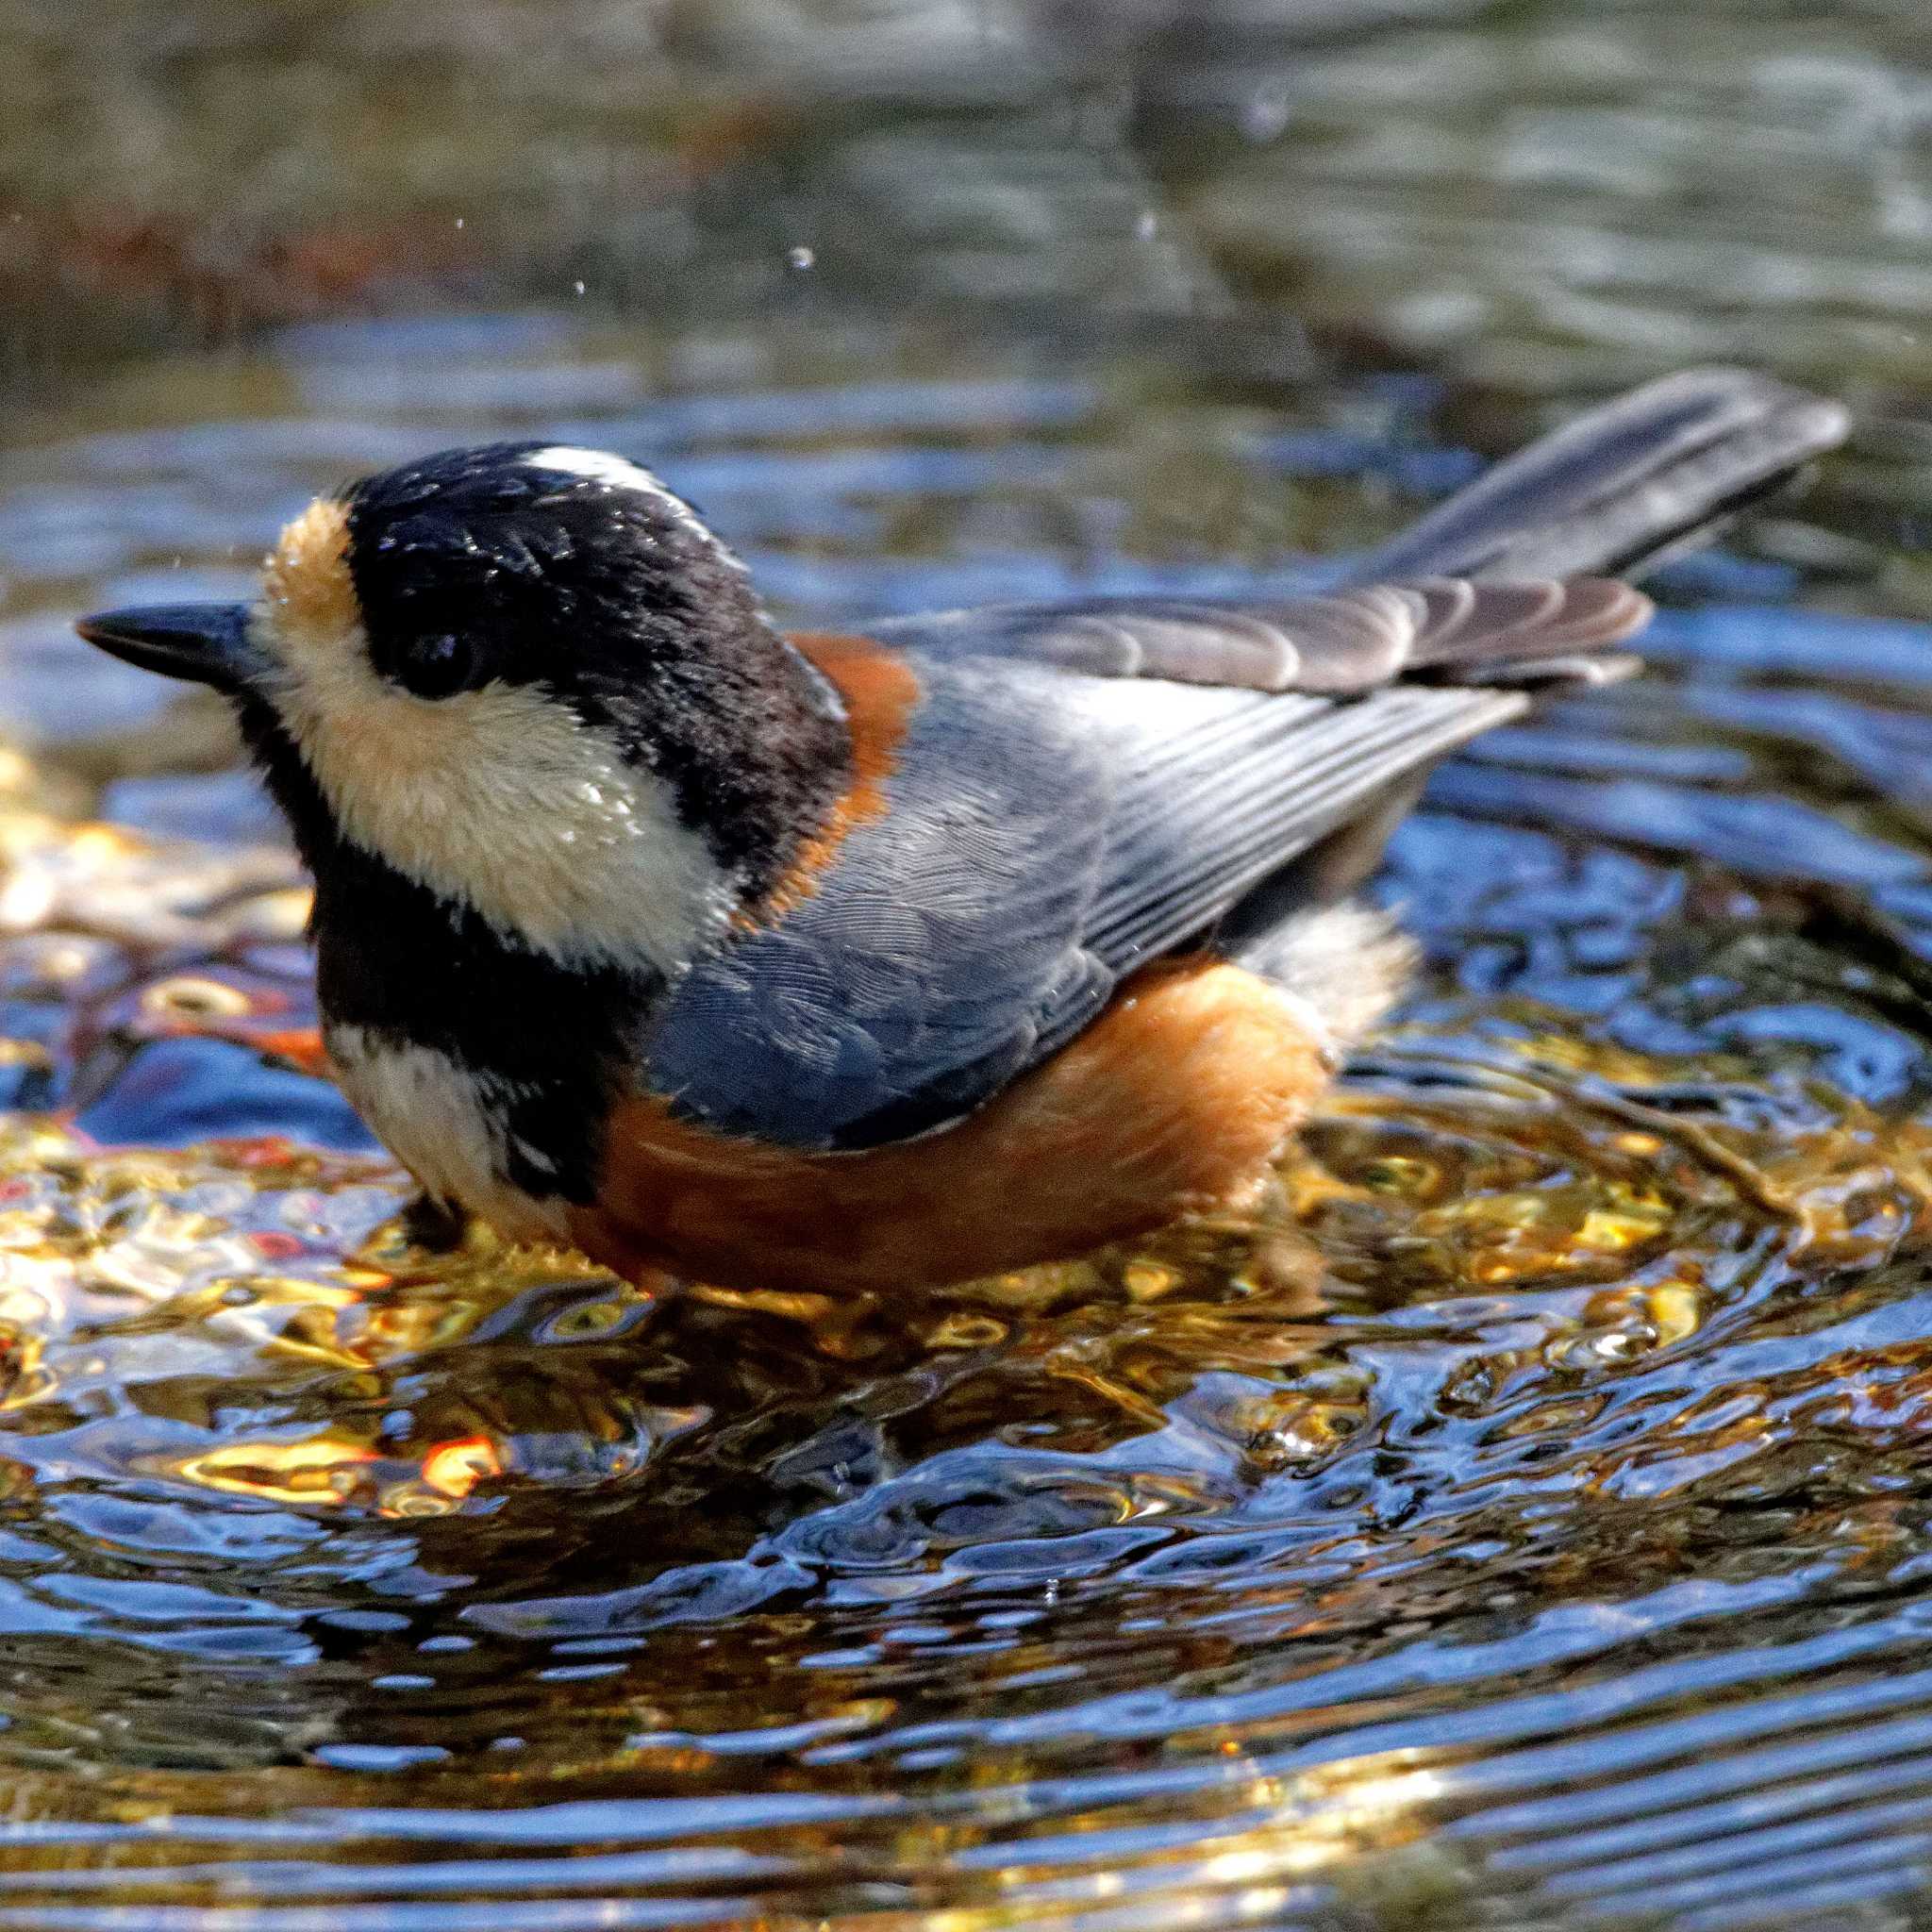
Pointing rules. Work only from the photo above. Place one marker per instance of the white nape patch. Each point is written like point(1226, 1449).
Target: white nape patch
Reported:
point(603, 466)
point(599, 465)
point(443, 1123)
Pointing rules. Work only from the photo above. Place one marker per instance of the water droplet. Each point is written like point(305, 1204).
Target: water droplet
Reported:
point(1265, 118)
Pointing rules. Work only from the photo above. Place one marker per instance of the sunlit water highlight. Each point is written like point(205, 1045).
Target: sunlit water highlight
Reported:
point(1522, 1522)
point(1528, 1507)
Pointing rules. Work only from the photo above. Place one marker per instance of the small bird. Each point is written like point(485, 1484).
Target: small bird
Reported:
point(898, 957)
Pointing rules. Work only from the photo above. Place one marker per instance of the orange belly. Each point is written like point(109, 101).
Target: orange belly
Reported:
point(1174, 1101)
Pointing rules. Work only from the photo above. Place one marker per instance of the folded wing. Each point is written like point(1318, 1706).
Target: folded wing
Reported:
point(1083, 787)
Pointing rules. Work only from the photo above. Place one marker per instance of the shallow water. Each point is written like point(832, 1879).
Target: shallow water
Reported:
point(1520, 1523)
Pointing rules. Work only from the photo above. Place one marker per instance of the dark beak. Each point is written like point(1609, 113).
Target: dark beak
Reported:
point(207, 643)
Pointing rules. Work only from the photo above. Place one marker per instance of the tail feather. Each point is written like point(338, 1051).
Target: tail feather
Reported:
point(1620, 485)
point(1614, 489)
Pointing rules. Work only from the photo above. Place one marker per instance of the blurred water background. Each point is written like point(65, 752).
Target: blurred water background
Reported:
point(1523, 1524)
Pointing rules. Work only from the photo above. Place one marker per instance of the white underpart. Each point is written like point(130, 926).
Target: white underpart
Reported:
point(1344, 966)
point(504, 800)
point(445, 1124)
point(602, 466)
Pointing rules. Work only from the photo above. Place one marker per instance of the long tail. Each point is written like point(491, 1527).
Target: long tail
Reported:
point(1622, 485)
point(1616, 490)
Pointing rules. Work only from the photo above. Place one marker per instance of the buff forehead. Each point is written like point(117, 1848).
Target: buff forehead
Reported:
point(306, 579)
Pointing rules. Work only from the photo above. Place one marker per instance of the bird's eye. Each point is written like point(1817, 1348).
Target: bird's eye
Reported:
point(440, 665)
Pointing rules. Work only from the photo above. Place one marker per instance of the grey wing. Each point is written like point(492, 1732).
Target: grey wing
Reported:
point(939, 952)
point(1076, 795)
point(1314, 708)
point(1341, 644)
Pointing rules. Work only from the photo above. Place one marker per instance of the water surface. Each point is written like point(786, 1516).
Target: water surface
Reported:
point(1520, 1522)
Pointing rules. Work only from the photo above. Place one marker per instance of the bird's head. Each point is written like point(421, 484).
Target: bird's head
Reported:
point(527, 677)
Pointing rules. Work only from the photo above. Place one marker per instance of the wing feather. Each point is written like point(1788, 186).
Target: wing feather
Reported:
point(1348, 642)
point(1239, 820)
point(1082, 787)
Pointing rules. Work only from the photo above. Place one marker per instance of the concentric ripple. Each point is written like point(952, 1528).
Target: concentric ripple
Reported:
point(1520, 1522)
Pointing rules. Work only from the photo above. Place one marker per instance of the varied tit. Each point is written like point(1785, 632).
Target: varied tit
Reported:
point(865, 961)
